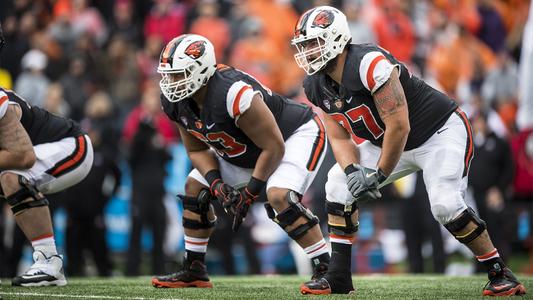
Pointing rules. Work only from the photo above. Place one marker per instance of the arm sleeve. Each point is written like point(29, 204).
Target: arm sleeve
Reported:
point(374, 70)
point(4, 103)
point(239, 98)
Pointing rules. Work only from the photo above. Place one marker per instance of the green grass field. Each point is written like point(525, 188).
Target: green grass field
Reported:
point(262, 287)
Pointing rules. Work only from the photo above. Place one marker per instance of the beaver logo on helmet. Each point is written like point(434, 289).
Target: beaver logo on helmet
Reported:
point(196, 49)
point(323, 19)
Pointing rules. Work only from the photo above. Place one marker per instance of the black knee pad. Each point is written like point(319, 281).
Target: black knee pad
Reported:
point(467, 216)
point(200, 205)
point(346, 212)
point(292, 213)
point(27, 190)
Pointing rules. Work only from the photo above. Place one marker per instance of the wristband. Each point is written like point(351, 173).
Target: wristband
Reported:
point(212, 176)
point(381, 176)
point(349, 169)
point(255, 186)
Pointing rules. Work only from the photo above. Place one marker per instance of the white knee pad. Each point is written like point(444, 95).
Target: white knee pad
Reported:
point(446, 204)
point(336, 186)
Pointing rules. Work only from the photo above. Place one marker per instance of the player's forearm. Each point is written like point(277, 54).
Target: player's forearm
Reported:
point(392, 148)
point(345, 151)
point(268, 161)
point(203, 160)
point(17, 161)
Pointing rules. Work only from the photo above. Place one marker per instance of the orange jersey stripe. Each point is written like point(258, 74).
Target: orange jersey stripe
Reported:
point(320, 146)
point(237, 101)
point(370, 73)
point(75, 159)
point(470, 150)
point(3, 99)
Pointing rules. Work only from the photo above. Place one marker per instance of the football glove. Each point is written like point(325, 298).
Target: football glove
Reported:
point(247, 196)
point(363, 182)
point(225, 193)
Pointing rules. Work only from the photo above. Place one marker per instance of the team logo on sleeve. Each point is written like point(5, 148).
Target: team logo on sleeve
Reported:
point(323, 19)
point(326, 104)
point(196, 49)
point(198, 124)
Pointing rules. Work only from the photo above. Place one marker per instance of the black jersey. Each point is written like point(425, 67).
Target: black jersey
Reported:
point(229, 94)
point(41, 126)
point(366, 69)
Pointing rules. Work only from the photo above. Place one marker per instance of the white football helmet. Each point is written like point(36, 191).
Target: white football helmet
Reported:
point(186, 64)
point(319, 36)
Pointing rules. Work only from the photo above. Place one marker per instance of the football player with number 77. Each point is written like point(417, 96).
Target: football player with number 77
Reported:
point(408, 126)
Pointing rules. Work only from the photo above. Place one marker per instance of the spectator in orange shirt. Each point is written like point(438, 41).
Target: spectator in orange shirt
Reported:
point(394, 30)
point(214, 28)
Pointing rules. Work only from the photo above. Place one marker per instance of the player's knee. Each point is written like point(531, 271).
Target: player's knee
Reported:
point(198, 212)
point(336, 188)
point(193, 187)
point(277, 198)
point(446, 206)
point(295, 219)
point(10, 183)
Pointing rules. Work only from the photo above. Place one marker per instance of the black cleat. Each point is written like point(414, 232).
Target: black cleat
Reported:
point(320, 271)
point(502, 282)
point(326, 286)
point(191, 275)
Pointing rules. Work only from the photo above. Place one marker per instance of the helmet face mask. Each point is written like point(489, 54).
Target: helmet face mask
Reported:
point(186, 64)
point(321, 34)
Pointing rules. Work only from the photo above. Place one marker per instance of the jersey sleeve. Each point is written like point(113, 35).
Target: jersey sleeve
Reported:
point(4, 103)
point(375, 69)
point(239, 98)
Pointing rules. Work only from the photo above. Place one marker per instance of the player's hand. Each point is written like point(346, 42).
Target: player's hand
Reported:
point(225, 193)
point(363, 182)
point(241, 208)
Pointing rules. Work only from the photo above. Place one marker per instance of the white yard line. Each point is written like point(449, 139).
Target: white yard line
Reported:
point(82, 296)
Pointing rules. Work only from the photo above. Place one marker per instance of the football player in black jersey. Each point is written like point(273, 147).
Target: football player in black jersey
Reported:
point(241, 138)
point(40, 154)
point(408, 126)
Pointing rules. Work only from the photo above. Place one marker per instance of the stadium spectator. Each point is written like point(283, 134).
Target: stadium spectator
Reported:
point(419, 225)
point(86, 228)
point(32, 84)
point(55, 102)
point(492, 175)
point(361, 31)
point(166, 19)
point(123, 22)
point(74, 84)
point(148, 57)
point(147, 133)
point(209, 24)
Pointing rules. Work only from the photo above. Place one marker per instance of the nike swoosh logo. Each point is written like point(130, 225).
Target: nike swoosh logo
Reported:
point(501, 286)
point(442, 130)
point(349, 100)
point(370, 175)
point(210, 126)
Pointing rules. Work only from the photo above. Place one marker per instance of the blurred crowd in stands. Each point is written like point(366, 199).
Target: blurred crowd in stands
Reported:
point(95, 62)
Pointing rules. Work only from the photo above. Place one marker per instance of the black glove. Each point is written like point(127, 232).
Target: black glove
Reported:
point(247, 196)
point(363, 182)
point(225, 193)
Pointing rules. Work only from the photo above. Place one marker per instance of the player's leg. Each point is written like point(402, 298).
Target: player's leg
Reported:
point(343, 223)
point(58, 166)
point(445, 159)
point(304, 153)
point(198, 223)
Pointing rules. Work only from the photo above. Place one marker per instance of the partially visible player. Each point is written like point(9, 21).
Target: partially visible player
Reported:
point(40, 154)
point(238, 133)
point(408, 127)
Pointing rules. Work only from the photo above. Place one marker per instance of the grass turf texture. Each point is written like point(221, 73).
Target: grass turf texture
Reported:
point(262, 287)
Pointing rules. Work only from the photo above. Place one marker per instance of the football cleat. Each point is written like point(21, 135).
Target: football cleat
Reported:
point(322, 286)
point(46, 271)
point(192, 275)
point(320, 271)
point(502, 282)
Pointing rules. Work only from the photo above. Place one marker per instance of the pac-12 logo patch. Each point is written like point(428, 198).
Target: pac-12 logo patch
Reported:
point(196, 49)
point(323, 19)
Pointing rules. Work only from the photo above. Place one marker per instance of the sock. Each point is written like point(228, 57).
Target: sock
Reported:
point(341, 254)
point(491, 259)
point(45, 243)
point(318, 253)
point(195, 248)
